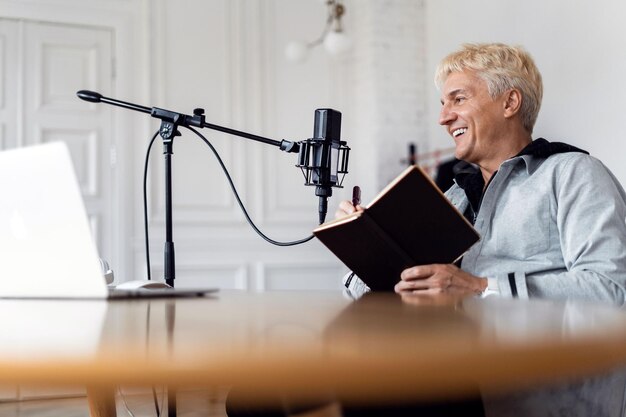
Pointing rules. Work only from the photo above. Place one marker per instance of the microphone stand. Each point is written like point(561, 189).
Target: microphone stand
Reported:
point(170, 122)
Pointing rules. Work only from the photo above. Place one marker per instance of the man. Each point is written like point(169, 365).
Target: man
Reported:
point(551, 217)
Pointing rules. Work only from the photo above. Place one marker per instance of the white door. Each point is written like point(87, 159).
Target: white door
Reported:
point(43, 66)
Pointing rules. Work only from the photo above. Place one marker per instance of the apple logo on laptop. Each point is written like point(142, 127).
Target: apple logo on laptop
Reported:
point(18, 226)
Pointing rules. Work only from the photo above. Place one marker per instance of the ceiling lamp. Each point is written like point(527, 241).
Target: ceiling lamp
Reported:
point(335, 41)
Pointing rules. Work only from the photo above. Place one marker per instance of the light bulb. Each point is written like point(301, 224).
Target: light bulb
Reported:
point(337, 43)
point(296, 51)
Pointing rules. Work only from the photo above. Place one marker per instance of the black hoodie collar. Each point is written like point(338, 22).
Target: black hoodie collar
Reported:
point(541, 148)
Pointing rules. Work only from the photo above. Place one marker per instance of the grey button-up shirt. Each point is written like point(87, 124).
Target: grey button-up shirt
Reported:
point(551, 227)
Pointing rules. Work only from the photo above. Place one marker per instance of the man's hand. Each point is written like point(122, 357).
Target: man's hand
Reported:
point(439, 279)
point(345, 208)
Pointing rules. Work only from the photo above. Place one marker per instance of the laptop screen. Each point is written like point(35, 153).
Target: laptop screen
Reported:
point(46, 247)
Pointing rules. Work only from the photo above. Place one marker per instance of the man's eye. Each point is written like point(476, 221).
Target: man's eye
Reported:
point(459, 100)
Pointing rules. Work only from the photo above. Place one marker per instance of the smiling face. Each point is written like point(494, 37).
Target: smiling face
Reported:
point(478, 123)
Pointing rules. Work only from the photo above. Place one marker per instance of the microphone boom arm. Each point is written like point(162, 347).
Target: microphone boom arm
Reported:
point(181, 119)
point(322, 159)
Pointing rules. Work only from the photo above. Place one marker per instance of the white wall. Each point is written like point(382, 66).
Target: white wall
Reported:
point(580, 48)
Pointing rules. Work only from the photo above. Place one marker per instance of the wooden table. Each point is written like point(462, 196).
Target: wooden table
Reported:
point(380, 348)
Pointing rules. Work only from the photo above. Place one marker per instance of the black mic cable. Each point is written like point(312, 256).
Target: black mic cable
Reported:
point(145, 202)
point(243, 208)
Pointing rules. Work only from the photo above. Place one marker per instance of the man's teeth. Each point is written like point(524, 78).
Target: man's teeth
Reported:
point(458, 132)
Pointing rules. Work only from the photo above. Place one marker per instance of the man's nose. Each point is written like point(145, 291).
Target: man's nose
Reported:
point(445, 115)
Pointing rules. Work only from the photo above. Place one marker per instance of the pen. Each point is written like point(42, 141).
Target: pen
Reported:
point(356, 195)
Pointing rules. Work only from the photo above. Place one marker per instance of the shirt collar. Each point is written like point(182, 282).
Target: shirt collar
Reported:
point(532, 155)
point(540, 149)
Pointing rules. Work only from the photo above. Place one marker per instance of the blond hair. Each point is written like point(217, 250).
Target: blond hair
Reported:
point(502, 67)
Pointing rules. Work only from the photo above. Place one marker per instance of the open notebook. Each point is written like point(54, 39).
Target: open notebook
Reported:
point(46, 248)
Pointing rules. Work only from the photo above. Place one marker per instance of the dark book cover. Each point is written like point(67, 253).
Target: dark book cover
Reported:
point(409, 223)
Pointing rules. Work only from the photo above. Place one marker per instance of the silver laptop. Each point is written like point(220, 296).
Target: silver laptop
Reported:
point(46, 248)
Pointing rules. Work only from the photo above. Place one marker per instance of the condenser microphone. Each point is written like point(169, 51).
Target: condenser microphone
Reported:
point(324, 157)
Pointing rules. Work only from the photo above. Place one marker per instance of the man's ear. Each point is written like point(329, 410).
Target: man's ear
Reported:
point(512, 103)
